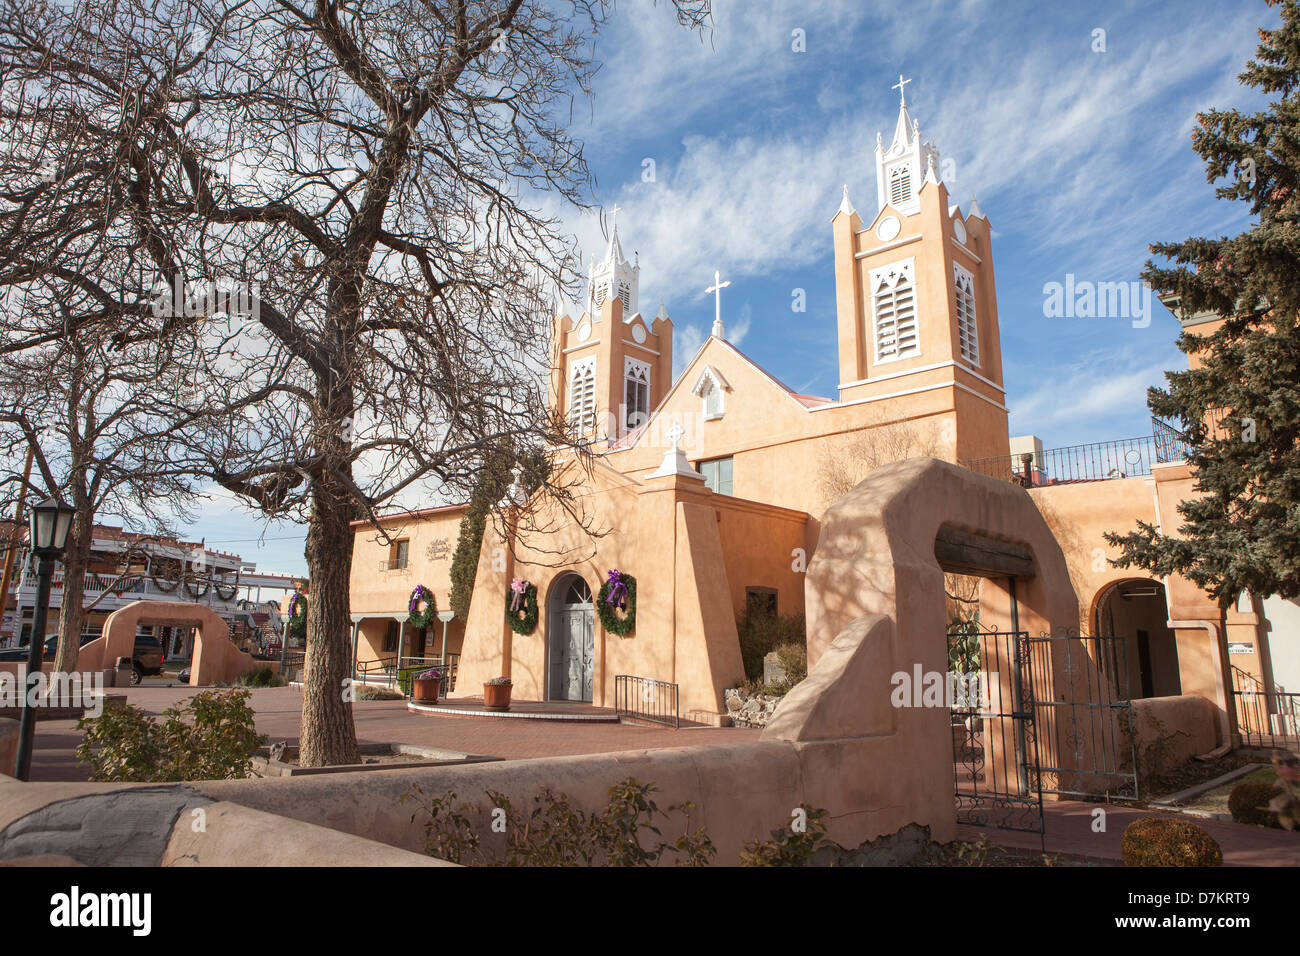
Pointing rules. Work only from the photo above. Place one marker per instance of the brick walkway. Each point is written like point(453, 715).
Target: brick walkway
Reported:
point(388, 721)
point(1069, 831)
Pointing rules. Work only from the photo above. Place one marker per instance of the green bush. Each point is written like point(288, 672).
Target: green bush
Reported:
point(1248, 803)
point(367, 692)
point(761, 632)
point(1164, 841)
point(209, 736)
point(556, 834)
point(263, 677)
point(790, 846)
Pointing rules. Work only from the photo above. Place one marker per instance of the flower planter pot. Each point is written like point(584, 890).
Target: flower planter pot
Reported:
point(496, 696)
point(425, 691)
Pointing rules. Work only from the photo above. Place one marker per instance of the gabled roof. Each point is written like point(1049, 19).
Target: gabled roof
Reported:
point(803, 401)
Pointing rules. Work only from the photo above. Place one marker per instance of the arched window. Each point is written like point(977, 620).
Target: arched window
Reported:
point(582, 395)
point(968, 336)
point(636, 392)
point(893, 303)
point(900, 185)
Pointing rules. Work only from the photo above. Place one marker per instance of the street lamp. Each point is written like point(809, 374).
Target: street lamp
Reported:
point(48, 538)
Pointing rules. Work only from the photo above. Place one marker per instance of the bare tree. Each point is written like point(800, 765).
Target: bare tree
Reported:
point(370, 176)
point(88, 363)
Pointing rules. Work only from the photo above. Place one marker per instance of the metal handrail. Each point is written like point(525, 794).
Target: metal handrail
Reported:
point(644, 698)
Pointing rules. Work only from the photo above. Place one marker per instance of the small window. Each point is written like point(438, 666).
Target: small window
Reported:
point(761, 601)
point(390, 637)
point(400, 554)
point(717, 475)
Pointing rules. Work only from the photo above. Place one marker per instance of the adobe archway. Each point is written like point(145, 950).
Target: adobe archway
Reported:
point(876, 562)
point(215, 656)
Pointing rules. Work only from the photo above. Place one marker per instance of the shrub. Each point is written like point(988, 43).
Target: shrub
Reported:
point(263, 677)
point(761, 632)
point(209, 736)
point(1249, 801)
point(1163, 841)
point(790, 846)
point(367, 692)
point(556, 834)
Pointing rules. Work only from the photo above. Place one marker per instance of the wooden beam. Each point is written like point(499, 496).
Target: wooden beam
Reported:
point(961, 552)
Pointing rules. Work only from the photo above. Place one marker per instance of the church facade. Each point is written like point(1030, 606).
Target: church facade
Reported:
point(708, 489)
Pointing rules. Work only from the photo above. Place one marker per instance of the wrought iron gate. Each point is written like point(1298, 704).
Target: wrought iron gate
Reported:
point(995, 739)
point(1079, 693)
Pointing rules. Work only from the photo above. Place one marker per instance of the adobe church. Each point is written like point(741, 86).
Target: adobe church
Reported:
point(711, 487)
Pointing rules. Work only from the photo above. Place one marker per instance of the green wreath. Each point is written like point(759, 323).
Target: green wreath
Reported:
point(528, 623)
point(415, 618)
point(609, 618)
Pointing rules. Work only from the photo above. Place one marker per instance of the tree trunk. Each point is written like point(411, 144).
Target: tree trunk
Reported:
point(71, 616)
point(328, 735)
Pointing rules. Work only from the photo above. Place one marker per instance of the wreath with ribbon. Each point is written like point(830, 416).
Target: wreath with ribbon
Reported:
point(522, 596)
point(618, 593)
point(422, 595)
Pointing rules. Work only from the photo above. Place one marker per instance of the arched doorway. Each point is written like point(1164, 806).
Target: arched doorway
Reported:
point(1136, 611)
point(570, 640)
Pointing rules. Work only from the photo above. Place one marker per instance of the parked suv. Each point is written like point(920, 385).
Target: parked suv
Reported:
point(147, 658)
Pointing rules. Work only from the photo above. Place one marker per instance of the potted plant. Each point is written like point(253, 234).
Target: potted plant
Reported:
point(496, 693)
point(425, 686)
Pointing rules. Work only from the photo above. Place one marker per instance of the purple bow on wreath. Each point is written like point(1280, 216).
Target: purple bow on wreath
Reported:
point(517, 588)
point(617, 591)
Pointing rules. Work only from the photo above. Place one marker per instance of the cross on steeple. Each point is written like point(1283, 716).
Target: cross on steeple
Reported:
point(902, 93)
point(716, 289)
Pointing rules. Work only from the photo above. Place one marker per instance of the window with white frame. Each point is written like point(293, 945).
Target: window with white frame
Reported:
point(582, 395)
point(625, 295)
point(717, 475)
point(900, 185)
point(893, 307)
point(636, 393)
point(968, 336)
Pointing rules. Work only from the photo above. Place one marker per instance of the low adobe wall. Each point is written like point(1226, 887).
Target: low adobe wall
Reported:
point(1169, 731)
point(824, 748)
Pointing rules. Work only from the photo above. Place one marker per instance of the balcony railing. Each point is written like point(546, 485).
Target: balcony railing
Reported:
point(129, 589)
point(1098, 461)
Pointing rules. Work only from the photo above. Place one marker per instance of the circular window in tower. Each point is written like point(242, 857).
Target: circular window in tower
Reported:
point(888, 228)
point(959, 230)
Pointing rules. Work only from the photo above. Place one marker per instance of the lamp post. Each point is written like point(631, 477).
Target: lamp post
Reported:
point(50, 521)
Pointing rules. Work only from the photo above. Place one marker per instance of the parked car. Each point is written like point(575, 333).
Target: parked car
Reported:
point(12, 654)
point(147, 658)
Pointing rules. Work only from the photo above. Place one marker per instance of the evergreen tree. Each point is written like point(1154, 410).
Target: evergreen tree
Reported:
point(1240, 407)
point(493, 482)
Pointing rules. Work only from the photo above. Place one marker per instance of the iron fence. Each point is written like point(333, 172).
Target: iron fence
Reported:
point(643, 698)
point(1098, 461)
point(1079, 692)
point(1266, 716)
point(1171, 444)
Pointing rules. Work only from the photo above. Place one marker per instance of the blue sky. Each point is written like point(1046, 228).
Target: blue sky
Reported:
point(1080, 159)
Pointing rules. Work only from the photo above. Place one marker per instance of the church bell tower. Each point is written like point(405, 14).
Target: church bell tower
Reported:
point(915, 298)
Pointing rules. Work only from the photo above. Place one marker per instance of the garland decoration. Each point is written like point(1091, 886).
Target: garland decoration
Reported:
point(424, 607)
point(158, 583)
point(522, 596)
point(617, 594)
